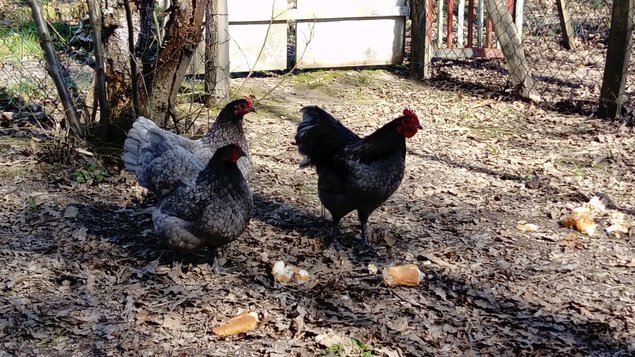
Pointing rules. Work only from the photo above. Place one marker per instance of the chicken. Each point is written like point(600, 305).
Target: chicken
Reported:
point(227, 129)
point(354, 173)
point(199, 204)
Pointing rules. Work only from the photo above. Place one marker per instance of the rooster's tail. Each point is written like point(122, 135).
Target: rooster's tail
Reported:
point(320, 136)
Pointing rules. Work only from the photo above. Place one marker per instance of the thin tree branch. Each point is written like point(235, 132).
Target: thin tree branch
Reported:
point(133, 62)
point(100, 75)
point(54, 67)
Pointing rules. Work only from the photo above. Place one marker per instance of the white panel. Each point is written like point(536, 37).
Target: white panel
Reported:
point(245, 42)
point(460, 24)
point(254, 10)
point(353, 4)
point(350, 42)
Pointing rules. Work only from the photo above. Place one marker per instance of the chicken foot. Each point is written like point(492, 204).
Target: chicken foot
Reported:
point(216, 267)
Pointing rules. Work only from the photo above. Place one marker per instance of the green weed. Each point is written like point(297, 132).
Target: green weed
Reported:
point(89, 174)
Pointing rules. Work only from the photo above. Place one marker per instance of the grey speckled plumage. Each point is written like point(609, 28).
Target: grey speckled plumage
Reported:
point(227, 129)
point(200, 204)
point(354, 173)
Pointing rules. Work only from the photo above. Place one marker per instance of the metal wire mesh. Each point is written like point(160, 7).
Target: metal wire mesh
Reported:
point(27, 93)
point(567, 75)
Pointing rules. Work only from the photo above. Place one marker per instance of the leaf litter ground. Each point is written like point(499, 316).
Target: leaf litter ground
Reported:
point(83, 274)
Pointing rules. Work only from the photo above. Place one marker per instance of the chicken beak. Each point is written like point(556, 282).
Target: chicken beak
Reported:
point(419, 126)
point(252, 109)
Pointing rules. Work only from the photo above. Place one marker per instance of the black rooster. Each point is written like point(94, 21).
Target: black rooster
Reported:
point(354, 173)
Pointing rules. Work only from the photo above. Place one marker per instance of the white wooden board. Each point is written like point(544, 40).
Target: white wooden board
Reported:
point(329, 33)
point(245, 43)
point(345, 43)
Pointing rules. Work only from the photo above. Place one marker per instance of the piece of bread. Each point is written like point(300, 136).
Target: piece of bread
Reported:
point(402, 275)
point(244, 322)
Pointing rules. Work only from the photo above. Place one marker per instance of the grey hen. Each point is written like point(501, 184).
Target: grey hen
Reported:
point(199, 204)
point(227, 129)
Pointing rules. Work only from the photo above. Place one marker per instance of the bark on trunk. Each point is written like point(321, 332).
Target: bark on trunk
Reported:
point(117, 59)
point(100, 77)
point(147, 46)
point(183, 33)
point(116, 54)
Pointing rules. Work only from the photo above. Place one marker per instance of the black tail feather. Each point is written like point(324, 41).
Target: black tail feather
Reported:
point(320, 136)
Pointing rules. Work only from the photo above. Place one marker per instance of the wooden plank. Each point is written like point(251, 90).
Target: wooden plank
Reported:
point(337, 13)
point(618, 57)
point(566, 25)
point(488, 33)
point(476, 52)
point(420, 47)
point(347, 42)
point(248, 40)
point(460, 24)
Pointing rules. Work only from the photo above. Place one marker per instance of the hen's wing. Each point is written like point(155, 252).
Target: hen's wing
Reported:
point(141, 134)
point(163, 165)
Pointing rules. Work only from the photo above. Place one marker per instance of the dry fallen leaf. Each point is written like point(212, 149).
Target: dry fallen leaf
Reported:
point(244, 322)
point(570, 240)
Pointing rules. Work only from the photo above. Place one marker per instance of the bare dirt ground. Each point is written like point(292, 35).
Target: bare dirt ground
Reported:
point(81, 272)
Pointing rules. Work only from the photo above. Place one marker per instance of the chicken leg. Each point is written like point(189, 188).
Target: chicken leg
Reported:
point(334, 242)
point(363, 220)
point(216, 267)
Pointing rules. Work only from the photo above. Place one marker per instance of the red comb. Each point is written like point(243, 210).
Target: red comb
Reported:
point(410, 113)
point(248, 99)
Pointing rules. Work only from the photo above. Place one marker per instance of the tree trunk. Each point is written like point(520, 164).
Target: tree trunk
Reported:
point(147, 47)
point(100, 77)
point(116, 55)
point(117, 59)
point(183, 33)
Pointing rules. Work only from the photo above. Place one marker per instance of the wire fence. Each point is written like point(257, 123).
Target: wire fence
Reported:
point(27, 93)
point(565, 50)
point(467, 53)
